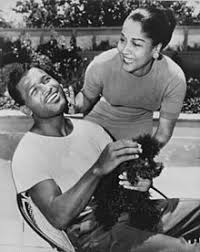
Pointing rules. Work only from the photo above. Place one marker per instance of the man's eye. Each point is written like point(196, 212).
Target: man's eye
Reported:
point(45, 79)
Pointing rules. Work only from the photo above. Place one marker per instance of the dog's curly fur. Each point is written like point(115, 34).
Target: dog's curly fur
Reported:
point(112, 199)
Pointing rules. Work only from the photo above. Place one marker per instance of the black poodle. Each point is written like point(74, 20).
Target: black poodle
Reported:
point(112, 199)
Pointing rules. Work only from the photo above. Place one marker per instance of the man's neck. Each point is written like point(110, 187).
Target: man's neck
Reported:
point(57, 126)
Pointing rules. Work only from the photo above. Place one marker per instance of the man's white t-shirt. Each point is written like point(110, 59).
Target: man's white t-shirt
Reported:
point(63, 159)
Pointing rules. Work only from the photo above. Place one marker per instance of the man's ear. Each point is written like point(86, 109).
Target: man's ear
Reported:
point(26, 110)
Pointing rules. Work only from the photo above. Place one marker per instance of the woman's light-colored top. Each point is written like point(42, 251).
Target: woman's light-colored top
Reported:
point(128, 103)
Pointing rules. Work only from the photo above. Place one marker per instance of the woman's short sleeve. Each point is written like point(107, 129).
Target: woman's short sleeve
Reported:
point(92, 87)
point(173, 97)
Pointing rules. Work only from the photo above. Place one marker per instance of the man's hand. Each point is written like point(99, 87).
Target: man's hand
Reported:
point(114, 154)
point(142, 185)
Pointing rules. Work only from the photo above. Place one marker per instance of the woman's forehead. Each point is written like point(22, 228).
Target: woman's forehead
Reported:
point(133, 29)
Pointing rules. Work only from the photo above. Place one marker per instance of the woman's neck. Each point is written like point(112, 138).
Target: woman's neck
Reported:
point(56, 126)
point(144, 70)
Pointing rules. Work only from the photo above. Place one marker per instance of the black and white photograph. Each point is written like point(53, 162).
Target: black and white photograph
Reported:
point(100, 125)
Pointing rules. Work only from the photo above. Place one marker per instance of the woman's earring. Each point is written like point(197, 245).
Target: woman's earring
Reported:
point(156, 55)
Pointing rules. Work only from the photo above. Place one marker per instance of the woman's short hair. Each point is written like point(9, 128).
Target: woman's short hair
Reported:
point(157, 23)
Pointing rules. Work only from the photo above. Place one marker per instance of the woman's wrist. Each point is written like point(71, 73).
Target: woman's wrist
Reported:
point(73, 109)
point(97, 172)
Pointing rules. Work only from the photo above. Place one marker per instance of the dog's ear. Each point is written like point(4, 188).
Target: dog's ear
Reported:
point(150, 146)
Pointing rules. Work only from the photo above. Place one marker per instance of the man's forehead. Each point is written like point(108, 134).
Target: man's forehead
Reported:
point(35, 70)
point(30, 77)
point(33, 74)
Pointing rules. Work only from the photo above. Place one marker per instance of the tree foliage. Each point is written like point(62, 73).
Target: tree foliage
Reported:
point(83, 13)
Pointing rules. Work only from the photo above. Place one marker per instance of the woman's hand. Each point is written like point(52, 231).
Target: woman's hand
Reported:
point(70, 96)
point(142, 185)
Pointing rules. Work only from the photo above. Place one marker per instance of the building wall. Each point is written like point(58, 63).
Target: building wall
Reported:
point(182, 36)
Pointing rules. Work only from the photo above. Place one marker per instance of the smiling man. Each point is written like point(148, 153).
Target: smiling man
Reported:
point(60, 161)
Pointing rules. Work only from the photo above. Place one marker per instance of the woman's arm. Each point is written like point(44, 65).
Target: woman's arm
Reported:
point(164, 130)
point(92, 89)
point(79, 103)
point(171, 106)
point(83, 104)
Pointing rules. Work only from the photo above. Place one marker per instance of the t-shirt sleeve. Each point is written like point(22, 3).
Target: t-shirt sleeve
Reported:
point(92, 86)
point(173, 97)
point(29, 167)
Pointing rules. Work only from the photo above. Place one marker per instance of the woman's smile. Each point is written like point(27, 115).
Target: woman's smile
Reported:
point(128, 60)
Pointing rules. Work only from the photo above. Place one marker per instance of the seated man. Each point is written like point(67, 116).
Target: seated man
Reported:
point(60, 162)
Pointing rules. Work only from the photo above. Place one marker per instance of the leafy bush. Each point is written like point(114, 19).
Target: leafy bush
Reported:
point(192, 99)
point(191, 105)
point(193, 88)
point(18, 51)
point(7, 103)
point(65, 64)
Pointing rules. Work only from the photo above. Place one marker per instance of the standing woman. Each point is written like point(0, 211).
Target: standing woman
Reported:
point(125, 85)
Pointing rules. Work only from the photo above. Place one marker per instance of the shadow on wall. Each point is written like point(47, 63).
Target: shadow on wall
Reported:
point(9, 143)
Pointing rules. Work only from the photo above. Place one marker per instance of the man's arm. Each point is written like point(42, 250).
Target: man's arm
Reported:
point(164, 130)
point(61, 208)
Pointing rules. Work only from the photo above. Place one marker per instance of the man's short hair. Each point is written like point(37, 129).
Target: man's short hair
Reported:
point(17, 72)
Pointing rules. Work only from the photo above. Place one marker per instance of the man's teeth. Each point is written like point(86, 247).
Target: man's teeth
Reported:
point(51, 97)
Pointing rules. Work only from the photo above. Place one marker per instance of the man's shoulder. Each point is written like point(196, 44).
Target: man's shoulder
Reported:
point(90, 129)
point(27, 146)
point(25, 140)
point(87, 125)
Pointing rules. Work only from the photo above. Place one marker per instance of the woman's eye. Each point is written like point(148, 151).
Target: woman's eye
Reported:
point(135, 44)
point(122, 39)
